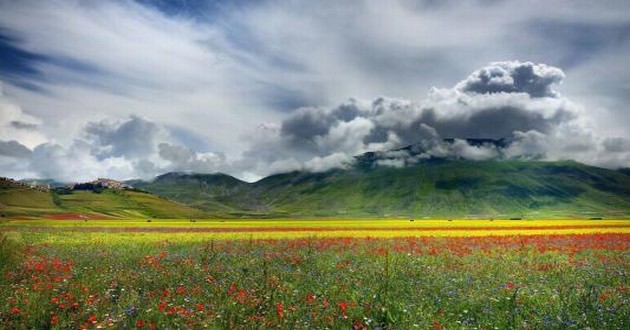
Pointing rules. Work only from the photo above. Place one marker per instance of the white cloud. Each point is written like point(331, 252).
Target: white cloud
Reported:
point(322, 164)
point(184, 159)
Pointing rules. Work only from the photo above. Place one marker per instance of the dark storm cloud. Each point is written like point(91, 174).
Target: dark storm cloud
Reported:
point(305, 124)
point(495, 123)
point(513, 77)
point(511, 100)
point(14, 149)
point(463, 112)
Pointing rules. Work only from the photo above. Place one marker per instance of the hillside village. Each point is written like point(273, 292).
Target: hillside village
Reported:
point(99, 183)
point(8, 182)
point(95, 185)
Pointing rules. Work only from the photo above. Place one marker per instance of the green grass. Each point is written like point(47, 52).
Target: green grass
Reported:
point(11, 246)
point(125, 204)
point(23, 201)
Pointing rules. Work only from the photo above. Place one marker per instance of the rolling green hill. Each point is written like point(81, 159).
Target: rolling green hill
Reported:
point(19, 200)
point(432, 188)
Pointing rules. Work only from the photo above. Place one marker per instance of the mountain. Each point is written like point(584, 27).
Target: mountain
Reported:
point(431, 187)
point(211, 192)
point(428, 188)
point(18, 199)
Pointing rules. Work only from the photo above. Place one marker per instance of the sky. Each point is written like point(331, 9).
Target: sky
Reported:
point(133, 89)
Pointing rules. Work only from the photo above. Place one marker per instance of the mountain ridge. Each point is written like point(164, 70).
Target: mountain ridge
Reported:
point(432, 188)
point(426, 187)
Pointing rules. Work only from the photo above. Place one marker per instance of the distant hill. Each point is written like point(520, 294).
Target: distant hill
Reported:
point(18, 199)
point(430, 188)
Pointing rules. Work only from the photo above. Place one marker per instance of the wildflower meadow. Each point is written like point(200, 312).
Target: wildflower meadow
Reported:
point(571, 274)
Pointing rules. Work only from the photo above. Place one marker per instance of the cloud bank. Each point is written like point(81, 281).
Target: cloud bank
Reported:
point(514, 102)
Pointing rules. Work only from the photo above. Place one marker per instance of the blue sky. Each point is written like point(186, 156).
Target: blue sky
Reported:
point(212, 86)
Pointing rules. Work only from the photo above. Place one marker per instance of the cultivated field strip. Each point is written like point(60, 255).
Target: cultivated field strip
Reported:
point(281, 229)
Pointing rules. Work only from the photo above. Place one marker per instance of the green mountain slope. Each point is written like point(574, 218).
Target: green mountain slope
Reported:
point(211, 192)
point(432, 188)
point(20, 200)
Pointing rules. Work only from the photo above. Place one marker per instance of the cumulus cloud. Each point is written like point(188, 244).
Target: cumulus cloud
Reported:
point(182, 158)
point(322, 164)
point(74, 163)
point(504, 110)
point(530, 144)
point(464, 150)
point(133, 138)
point(133, 147)
point(14, 158)
point(535, 80)
point(461, 112)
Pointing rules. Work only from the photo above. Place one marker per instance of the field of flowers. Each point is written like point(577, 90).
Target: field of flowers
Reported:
point(309, 275)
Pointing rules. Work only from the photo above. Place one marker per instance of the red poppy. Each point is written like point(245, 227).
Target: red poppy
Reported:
point(232, 289)
point(280, 310)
